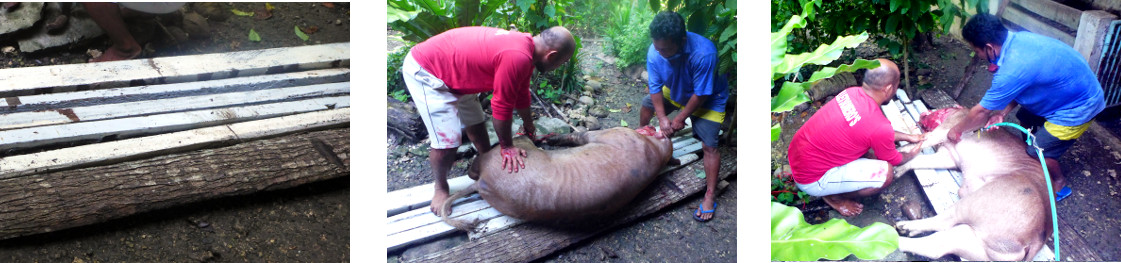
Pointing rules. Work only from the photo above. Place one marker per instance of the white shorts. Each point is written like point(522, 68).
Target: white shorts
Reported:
point(444, 113)
point(851, 177)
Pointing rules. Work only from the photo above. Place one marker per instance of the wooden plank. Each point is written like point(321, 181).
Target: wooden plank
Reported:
point(1074, 247)
point(895, 117)
point(419, 218)
point(1060, 13)
point(58, 200)
point(301, 78)
point(1019, 17)
point(139, 108)
point(526, 242)
point(116, 151)
point(420, 196)
point(49, 79)
point(160, 123)
point(433, 231)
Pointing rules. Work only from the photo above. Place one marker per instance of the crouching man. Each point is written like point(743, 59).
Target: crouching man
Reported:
point(828, 155)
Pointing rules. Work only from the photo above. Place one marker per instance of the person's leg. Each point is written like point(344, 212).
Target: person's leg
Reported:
point(436, 106)
point(848, 183)
point(707, 131)
point(1053, 148)
point(108, 17)
point(471, 113)
point(647, 112)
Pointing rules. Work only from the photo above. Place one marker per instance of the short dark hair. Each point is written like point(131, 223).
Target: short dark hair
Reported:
point(668, 25)
point(984, 28)
point(880, 77)
point(556, 41)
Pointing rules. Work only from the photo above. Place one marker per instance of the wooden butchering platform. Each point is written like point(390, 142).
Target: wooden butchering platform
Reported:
point(500, 238)
point(939, 185)
point(86, 143)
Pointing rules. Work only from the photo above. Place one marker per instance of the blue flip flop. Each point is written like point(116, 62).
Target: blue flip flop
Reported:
point(698, 218)
point(1062, 194)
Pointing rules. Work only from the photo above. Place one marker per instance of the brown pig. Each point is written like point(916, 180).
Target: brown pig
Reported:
point(605, 171)
point(1003, 214)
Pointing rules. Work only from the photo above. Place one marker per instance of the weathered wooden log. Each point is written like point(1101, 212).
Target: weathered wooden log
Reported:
point(52, 201)
point(404, 122)
point(527, 242)
point(832, 86)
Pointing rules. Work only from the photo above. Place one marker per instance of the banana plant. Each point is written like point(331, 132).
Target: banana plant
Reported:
point(792, 93)
point(422, 19)
point(792, 239)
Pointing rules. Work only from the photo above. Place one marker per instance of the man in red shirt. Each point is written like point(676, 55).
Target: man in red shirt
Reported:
point(826, 153)
point(445, 72)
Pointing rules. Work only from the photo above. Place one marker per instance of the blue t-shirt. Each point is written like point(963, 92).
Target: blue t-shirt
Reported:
point(1046, 77)
point(695, 71)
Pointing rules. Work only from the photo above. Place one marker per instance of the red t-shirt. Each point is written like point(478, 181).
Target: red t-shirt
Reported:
point(840, 132)
point(479, 59)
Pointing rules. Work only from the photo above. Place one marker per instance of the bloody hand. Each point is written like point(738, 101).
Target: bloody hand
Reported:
point(512, 159)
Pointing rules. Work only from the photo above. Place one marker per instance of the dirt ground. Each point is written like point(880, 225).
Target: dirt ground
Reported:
point(668, 235)
point(1090, 165)
point(310, 223)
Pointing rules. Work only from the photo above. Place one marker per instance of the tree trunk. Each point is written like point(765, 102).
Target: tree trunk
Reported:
point(966, 77)
point(404, 122)
point(52, 201)
point(907, 69)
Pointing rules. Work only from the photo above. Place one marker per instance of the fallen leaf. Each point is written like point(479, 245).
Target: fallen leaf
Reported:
point(627, 109)
point(623, 123)
point(310, 29)
point(234, 45)
point(301, 34)
point(241, 13)
point(269, 7)
point(614, 110)
point(253, 36)
point(329, 5)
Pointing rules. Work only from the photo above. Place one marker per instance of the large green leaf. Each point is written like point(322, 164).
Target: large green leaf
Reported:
point(792, 94)
point(824, 54)
point(828, 72)
point(778, 39)
point(776, 130)
point(792, 239)
point(395, 15)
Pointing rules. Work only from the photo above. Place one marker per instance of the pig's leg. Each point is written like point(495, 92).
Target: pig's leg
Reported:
point(939, 160)
point(941, 222)
point(959, 240)
point(571, 139)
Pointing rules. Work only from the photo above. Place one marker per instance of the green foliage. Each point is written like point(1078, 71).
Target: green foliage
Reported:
point(792, 93)
point(422, 19)
point(950, 9)
point(534, 15)
point(792, 239)
point(786, 192)
point(395, 80)
point(628, 34)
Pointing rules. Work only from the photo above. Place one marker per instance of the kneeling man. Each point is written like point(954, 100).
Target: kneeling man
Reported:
point(828, 154)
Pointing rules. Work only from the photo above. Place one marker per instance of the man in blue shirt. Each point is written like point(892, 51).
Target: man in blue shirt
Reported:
point(1058, 92)
point(682, 68)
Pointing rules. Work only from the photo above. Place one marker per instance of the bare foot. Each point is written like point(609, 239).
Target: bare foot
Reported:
point(1058, 183)
point(114, 54)
point(438, 201)
point(844, 206)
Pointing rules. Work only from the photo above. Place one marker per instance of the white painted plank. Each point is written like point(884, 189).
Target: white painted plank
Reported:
point(688, 140)
point(140, 108)
point(431, 231)
point(104, 153)
point(414, 219)
point(160, 123)
point(420, 196)
point(493, 226)
point(902, 95)
point(894, 117)
point(282, 79)
point(24, 81)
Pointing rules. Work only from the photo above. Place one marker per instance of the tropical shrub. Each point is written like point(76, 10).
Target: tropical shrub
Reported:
point(628, 35)
point(395, 81)
point(793, 93)
point(792, 239)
